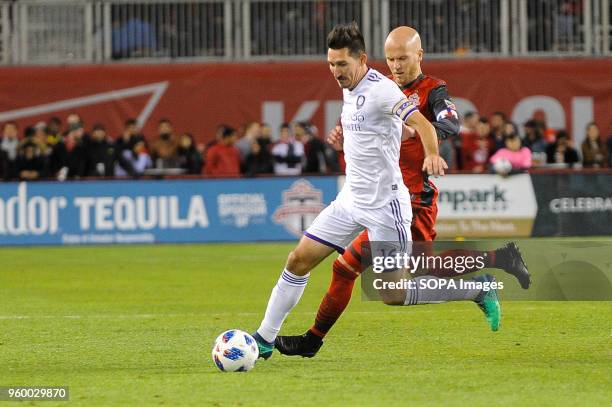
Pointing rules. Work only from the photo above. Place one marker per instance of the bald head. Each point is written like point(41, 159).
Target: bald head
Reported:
point(404, 54)
point(406, 37)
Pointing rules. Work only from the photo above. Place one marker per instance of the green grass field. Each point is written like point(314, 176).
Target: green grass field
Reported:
point(134, 326)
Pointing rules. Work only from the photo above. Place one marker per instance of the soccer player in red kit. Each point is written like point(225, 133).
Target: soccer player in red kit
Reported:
point(404, 54)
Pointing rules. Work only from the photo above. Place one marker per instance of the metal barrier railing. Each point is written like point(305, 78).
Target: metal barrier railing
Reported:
point(5, 33)
point(158, 29)
point(297, 27)
point(450, 28)
point(52, 31)
point(64, 31)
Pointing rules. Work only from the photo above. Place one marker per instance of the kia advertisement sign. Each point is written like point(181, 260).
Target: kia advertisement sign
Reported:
point(198, 97)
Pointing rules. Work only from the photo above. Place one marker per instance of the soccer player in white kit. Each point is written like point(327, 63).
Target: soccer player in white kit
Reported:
point(374, 195)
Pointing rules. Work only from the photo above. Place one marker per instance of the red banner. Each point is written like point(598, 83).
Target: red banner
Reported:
point(198, 97)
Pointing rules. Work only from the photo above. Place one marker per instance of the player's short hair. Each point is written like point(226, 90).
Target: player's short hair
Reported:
point(346, 36)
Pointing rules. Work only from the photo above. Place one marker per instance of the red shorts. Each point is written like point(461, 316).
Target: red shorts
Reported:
point(424, 214)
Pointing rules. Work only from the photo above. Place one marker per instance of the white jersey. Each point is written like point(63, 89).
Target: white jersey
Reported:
point(372, 117)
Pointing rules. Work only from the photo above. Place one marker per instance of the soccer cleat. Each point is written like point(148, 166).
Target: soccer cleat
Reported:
point(265, 348)
point(488, 302)
point(509, 259)
point(306, 345)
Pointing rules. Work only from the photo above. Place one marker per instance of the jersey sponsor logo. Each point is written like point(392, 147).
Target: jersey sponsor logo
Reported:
point(301, 204)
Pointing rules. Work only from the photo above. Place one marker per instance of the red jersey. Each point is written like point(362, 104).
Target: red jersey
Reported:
point(431, 97)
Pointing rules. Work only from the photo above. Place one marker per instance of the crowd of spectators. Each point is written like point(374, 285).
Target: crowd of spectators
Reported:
point(483, 141)
point(57, 150)
point(70, 150)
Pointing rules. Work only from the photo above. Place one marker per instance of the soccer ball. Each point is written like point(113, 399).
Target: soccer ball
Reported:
point(235, 351)
point(502, 166)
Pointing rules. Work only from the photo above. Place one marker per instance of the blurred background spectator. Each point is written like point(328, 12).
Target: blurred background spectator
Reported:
point(594, 150)
point(475, 143)
point(561, 151)
point(126, 142)
point(497, 122)
point(252, 131)
point(132, 37)
point(76, 141)
point(288, 153)
point(259, 160)
point(519, 157)
point(534, 140)
point(189, 158)
point(164, 149)
point(100, 154)
point(223, 159)
point(10, 147)
point(137, 158)
point(30, 165)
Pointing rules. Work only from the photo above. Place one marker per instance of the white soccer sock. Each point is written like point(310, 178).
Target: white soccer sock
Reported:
point(285, 295)
point(418, 295)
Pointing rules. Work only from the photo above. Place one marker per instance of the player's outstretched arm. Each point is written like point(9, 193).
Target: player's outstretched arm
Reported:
point(433, 163)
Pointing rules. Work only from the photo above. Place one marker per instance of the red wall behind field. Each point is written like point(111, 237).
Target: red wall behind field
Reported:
point(200, 96)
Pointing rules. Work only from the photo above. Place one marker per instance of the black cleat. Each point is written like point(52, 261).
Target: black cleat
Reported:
point(509, 259)
point(306, 345)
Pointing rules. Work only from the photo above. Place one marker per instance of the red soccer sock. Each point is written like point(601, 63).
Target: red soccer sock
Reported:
point(488, 260)
point(336, 299)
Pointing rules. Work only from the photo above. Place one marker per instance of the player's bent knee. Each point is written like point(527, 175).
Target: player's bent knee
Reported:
point(299, 263)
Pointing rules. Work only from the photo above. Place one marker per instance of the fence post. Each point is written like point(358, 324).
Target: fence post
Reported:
point(504, 27)
point(384, 23)
point(246, 28)
point(108, 27)
point(523, 26)
point(88, 34)
point(587, 29)
point(22, 25)
point(605, 26)
point(227, 29)
point(5, 27)
point(366, 29)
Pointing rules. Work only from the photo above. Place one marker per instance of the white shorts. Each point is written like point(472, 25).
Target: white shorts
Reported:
point(338, 224)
